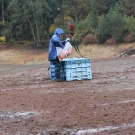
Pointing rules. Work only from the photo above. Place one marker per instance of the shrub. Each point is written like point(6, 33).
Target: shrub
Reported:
point(111, 41)
point(2, 25)
point(68, 18)
point(52, 29)
point(82, 28)
point(112, 25)
point(104, 31)
point(129, 38)
point(90, 39)
point(130, 23)
point(3, 39)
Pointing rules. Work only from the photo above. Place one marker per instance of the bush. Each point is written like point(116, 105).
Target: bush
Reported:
point(3, 39)
point(130, 23)
point(104, 31)
point(52, 29)
point(111, 41)
point(82, 28)
point(111, 26)
point(117, 25)
point(90, 39)
point(129, 38)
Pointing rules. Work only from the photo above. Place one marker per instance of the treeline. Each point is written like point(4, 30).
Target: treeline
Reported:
point(96, 21)
point(26, 19)
point(110, 21)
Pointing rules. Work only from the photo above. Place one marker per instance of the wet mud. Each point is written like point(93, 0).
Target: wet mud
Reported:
point(32, 104)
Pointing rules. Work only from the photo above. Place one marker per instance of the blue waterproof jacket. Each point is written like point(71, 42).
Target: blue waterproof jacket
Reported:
point(55, 42)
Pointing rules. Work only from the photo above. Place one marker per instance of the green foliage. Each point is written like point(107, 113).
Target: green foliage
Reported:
point(103, 32)
point(2, 28)
point(130, 23)
point(112, 25)
point(82, 28)
point(127, 7)
point(102, 6)
point(30, 18)
point(76, 9)
point(3, 39)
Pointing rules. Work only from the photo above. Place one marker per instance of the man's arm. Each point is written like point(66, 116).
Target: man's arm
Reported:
point(57, 42)
point(63, 42)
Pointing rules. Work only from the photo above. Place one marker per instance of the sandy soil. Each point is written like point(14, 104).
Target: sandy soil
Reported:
point(32, 104)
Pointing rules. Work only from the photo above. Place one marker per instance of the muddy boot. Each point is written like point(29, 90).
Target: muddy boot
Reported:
point(58, 79)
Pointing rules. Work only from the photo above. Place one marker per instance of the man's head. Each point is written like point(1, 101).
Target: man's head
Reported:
point(59, 32)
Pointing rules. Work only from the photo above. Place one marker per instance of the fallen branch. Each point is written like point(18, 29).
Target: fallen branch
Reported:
point(127, 52)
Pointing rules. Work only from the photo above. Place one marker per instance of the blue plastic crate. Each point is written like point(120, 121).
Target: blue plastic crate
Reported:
point(52, 75)
point(77, 68)
point(52, 71)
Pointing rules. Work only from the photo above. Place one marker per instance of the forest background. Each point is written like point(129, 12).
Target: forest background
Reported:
point(96, 21)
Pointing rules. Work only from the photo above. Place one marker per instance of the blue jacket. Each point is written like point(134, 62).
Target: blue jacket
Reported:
point(55, 42)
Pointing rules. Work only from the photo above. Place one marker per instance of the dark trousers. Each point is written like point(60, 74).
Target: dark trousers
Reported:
point(58, 67)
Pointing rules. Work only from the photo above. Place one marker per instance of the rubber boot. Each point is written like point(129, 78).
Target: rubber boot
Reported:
point(58, 79)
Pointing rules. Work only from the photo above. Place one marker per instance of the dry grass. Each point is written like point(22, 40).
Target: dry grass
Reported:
point(95, 51)
point(23, 56)
point(101, 51)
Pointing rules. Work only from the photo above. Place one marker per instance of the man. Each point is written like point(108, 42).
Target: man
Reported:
point(52, 56)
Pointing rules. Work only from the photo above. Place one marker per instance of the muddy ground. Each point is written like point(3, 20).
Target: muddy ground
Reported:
point(32, 104)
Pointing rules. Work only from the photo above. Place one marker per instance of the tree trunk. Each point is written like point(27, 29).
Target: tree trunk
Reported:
point(3, 20)
point(37, 29)
point(32, 30)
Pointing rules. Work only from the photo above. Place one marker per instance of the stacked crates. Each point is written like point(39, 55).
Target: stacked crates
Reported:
point(52, 72)
point(73, 69)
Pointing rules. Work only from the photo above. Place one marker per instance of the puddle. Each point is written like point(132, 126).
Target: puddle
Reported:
point(86, 131)
point(23, 115)
point(117, 103)
point(107, 128)
point(4, 90)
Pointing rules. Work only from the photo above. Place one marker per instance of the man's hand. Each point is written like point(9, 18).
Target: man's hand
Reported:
point(68, 39)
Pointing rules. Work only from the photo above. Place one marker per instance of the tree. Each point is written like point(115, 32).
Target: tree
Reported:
point(31, 15)
point(3, 7)
point(102, 6)
point(128, 7)
point(111, 25)
point(76, 9)
point(80, 9)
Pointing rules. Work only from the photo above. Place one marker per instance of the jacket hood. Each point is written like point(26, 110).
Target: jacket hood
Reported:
point(59, 31)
